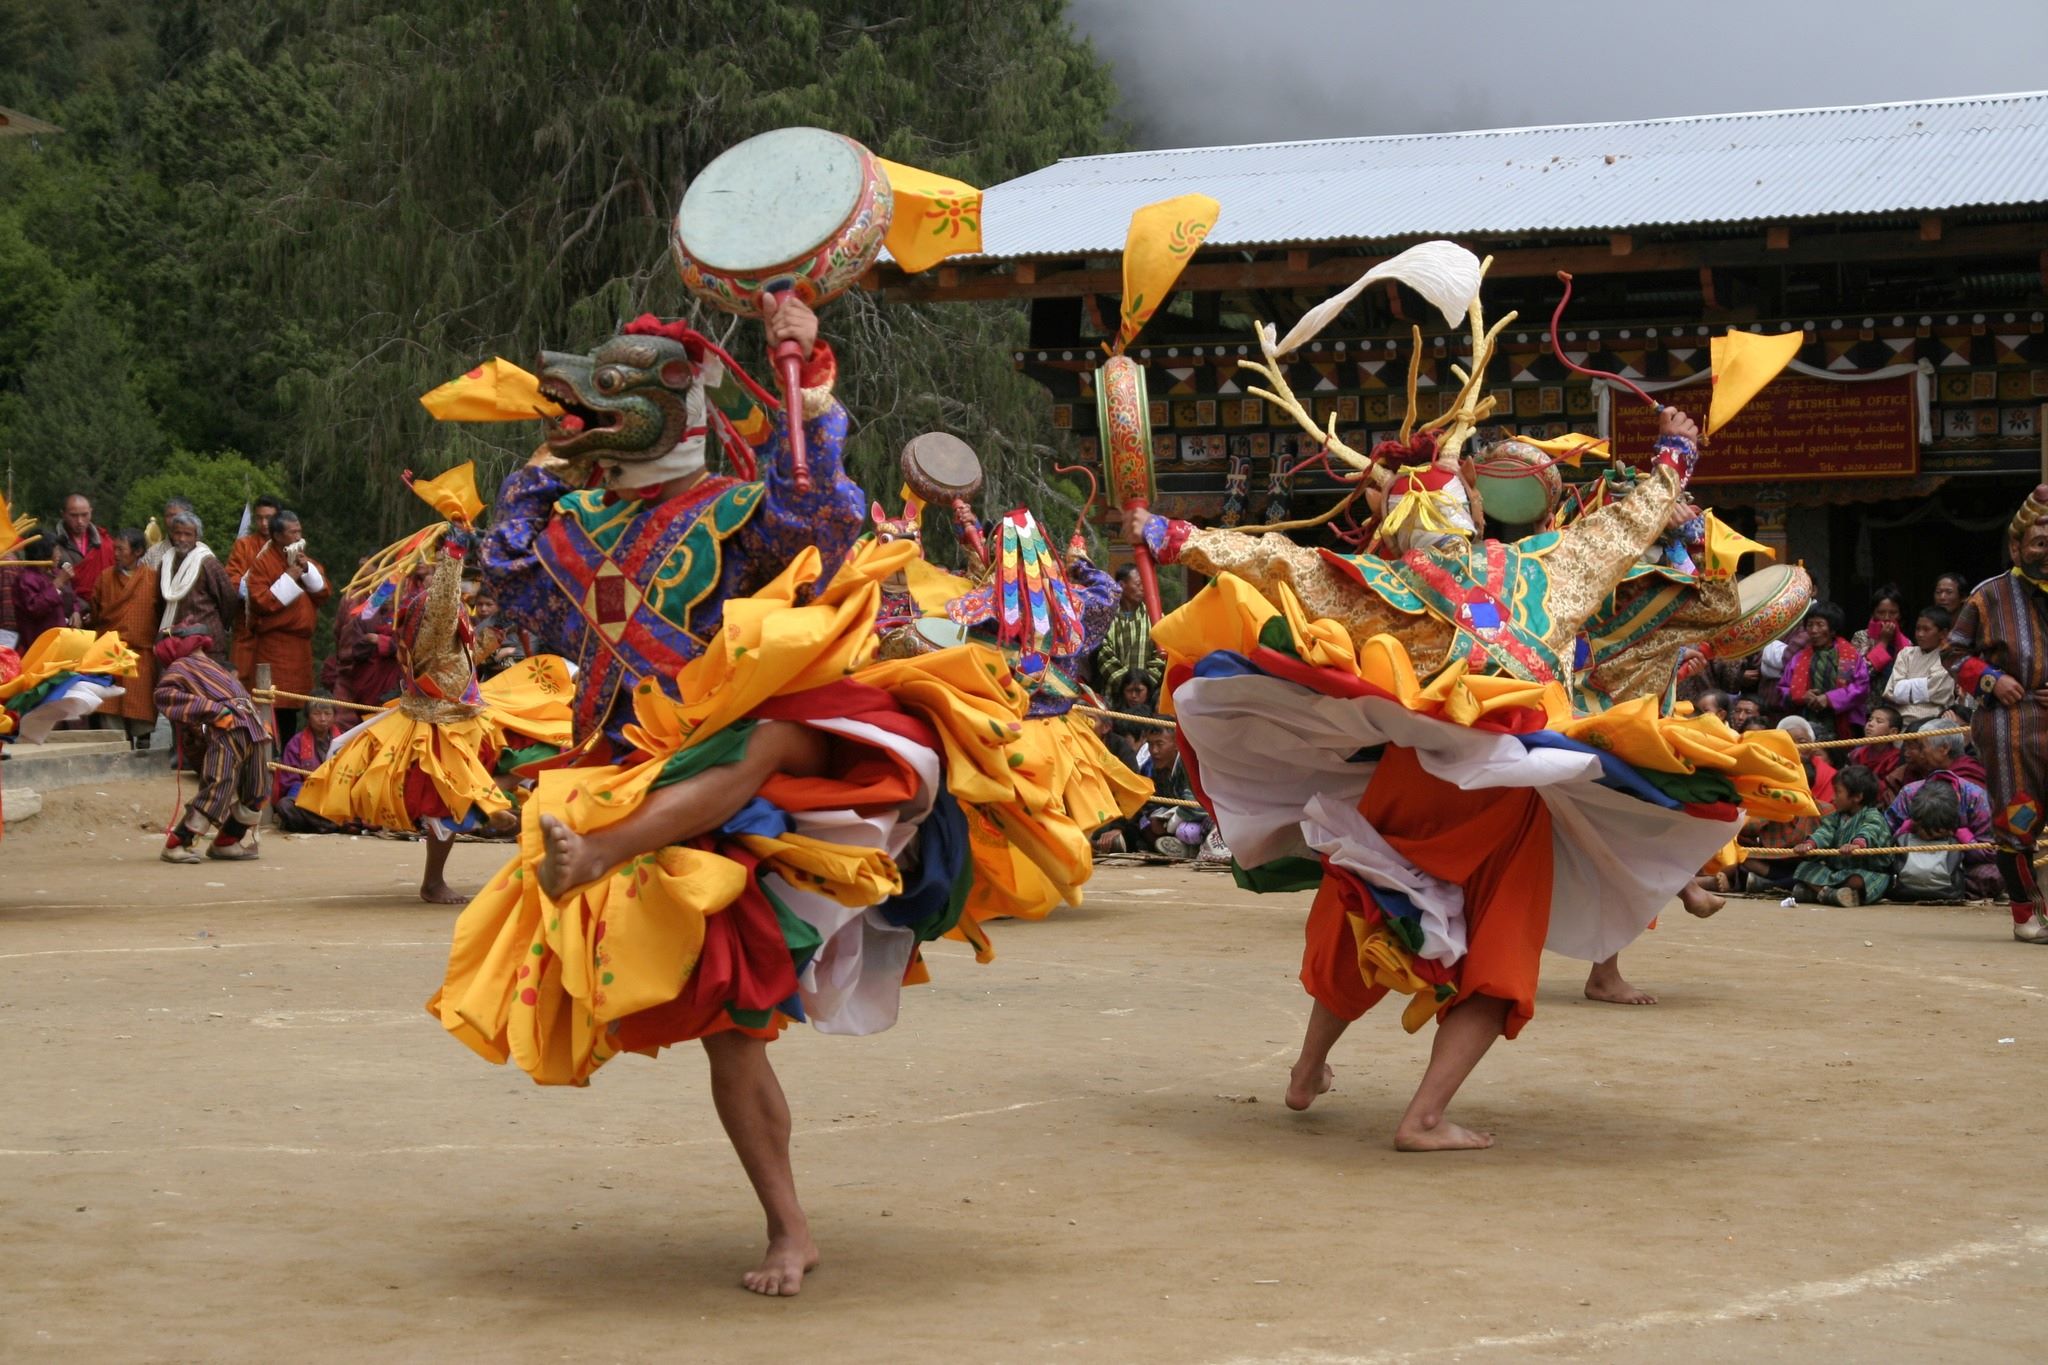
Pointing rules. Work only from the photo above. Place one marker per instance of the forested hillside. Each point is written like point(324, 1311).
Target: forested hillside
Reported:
point(270, 225)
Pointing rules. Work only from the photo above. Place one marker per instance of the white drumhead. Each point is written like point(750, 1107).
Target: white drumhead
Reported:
point(1763, 586)
point(941, 634)
point(769, 200)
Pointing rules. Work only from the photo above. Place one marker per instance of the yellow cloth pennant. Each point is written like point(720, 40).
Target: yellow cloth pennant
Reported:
point(453, 494)
point(1725, 548)
point(495, 391)
point(1743, 363)
point(935, 217)
point(1569, 448)
point(1161, 242)
point(13, 529)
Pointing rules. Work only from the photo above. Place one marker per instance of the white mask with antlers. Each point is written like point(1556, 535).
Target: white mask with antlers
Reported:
point(1448, 276)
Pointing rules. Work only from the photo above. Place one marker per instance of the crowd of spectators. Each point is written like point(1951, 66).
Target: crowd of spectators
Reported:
point(263, 606)
point(1825, 682)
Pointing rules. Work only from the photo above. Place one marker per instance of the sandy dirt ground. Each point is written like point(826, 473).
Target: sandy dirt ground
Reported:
point(231, 1134)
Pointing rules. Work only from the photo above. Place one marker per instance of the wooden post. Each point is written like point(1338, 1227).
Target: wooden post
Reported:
point(267, 750)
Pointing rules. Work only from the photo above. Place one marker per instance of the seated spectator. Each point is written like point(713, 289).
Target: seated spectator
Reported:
point(1173, 831)
point(307, 750)
point(1745, 713)
point(496, 648)
point(1934, 819)
point(1131, 692)
point(1771, 862)
point(1712, 702)
point(1940, 759)
point(1825, 678)
point(1885, 761)
point(1949, 591)
point(1857, 822)
point(1881, 641)
point(1770, 667)
point(1920, 687)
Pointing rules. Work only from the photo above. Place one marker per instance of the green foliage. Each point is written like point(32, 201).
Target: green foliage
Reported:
point(312, 211)
point(217, 486)
point(78, 422)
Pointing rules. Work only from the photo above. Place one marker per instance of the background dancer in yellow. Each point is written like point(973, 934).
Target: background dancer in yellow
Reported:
point(431, 761)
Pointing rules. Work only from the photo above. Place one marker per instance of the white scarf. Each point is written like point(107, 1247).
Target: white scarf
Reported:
point(176, 582)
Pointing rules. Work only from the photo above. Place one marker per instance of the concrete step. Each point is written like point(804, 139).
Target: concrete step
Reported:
point(47, 767)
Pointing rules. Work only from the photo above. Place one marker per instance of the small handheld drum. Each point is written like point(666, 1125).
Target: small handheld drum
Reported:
point(1774, 602)
point(941, 468)
point(795, 211)
point(1124, 417)
point(926, 635)
point(1518, 484)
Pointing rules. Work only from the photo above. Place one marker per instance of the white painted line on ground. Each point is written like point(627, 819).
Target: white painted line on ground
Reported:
point(1891, 1275)
point(1872, 963)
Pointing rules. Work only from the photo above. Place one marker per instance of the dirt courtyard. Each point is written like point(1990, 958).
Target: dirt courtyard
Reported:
point(232, 1134)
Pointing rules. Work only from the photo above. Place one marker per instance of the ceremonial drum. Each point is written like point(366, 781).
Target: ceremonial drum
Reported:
point(926, 635)
point(1774, 602)
point(799, 211)
point(940, 468)
point(1518, 484)
point(1123, 416)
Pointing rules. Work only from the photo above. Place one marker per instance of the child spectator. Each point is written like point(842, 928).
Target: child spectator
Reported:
point(1885, 761)
point(1713, 702)
point(1772, 862)
point(1857, 822)
point(1173, 831)
point(306, 749)
point(1920, 687)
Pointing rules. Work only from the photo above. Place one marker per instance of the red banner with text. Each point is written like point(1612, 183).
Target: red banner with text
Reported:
point(1799, 427)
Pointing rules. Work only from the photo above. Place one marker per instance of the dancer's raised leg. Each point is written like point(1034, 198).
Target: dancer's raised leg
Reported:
point(682, 810)
point(755, 1113)
point(1463, 1034)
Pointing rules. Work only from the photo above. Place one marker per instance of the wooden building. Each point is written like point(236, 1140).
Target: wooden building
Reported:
point(1907, 242)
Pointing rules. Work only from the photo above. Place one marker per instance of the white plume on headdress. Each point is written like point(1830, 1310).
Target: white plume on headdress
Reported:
point(1443, 272)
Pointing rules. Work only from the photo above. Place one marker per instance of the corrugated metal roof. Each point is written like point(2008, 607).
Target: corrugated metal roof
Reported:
point(1920, 157)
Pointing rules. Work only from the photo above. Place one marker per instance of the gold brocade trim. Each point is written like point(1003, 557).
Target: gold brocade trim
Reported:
point(817, 401)
point(436, 711)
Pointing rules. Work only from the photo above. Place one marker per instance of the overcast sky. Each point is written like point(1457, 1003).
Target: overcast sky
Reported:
point(1205, 72)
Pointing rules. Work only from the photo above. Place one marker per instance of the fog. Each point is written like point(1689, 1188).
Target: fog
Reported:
point(1204, 72)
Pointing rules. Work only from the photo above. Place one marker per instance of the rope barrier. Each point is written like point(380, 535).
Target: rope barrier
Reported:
point(1873, 852)
point(1158, 721)
point(268, 695)
point(1902, 738)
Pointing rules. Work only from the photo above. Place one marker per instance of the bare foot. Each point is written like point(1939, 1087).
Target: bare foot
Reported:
point(440, 893)
point(782, 1268)
point(568, 861)
point(1441, 1136)
point(1699, 901)
point(1301, 1093)
point(1604, 983)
